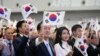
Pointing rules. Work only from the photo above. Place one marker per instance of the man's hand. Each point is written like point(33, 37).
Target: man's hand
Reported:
point(41, 36)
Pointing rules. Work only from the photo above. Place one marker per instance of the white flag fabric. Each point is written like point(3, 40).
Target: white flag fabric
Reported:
point(14, 24)
point(94, 24)
point(27, 9)
point(5, 12)
point(81, 45)
point(53, 18)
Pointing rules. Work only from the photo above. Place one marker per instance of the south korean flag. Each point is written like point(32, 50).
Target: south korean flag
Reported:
point(27, 9)
point(53, 18)
point(5, 12)
point(81, 45)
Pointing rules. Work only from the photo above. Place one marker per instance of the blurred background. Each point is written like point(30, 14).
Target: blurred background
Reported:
point(76, 10)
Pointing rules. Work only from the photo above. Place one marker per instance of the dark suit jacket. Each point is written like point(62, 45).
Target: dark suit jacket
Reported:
point(0, 53)
point(93, 52)
point(41, 49)
point(20, 46)
point(76, 52)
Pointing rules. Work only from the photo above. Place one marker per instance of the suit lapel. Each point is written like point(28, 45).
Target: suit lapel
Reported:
point(91, 47)
point(51, 46)
point(44, 48)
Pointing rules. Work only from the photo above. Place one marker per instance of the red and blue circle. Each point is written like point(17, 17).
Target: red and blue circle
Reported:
point(82, 48)
point(52, 17)
point(27, 8)
point(1, 11)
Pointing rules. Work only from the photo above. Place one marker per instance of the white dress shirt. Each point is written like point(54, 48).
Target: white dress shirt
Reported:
point(94, 46)
point(62, 51)
point(27, 37)
point(6, 50)
point(24, 35)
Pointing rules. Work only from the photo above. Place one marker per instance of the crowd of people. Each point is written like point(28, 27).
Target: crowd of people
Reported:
point(19, 41)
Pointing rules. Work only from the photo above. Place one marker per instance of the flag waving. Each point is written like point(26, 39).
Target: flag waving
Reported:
point(81, 45)
point(53, 18)
point(27, 9)
point(5, 12)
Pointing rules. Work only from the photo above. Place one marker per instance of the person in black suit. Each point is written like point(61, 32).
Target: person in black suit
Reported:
point(21, 41)
point(42, 45)
point(76, 34)
point(93, 50)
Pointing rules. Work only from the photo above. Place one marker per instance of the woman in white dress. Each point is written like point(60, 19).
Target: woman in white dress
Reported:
point(62, 48)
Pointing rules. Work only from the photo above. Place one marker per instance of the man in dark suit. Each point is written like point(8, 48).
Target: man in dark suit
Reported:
point(42, 45)
point(93, 50)
point(76, 34)
point(21, 41)
point(77, 52)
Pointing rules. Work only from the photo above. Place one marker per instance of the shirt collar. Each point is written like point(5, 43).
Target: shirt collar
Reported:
point(93, 46)
point(21, 35)
point(7, 41)
point(64, 42)
point(24, 35)
point(75, 37)
point(46, 42)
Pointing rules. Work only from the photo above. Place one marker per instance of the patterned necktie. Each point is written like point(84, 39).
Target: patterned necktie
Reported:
point(10, 48)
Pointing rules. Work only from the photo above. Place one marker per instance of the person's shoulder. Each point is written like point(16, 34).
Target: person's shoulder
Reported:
point(90, 46)
point(3, 42)
point(57, 45)
point(17, 39)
